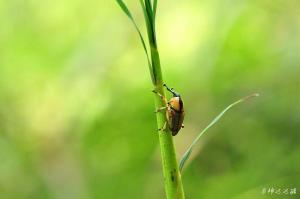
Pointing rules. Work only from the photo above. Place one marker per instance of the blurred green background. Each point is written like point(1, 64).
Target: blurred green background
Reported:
point(76, 111)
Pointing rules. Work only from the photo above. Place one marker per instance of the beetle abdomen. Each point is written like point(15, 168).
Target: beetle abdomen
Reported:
point(175, 120)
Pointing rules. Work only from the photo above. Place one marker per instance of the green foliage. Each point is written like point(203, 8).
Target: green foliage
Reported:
point(69, 96)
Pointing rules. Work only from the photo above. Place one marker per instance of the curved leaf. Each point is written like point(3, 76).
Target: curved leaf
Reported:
point(188, 152)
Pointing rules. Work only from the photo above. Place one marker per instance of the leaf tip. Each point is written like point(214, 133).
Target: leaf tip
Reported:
point(251, 96)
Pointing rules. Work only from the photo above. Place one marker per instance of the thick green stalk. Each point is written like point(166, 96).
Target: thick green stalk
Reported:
point(172, 176)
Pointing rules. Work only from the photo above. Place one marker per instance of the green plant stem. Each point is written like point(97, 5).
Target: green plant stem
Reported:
point(172, 176)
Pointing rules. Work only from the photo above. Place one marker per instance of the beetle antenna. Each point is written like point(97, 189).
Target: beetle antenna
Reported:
point(175, 94)
point(171, 90)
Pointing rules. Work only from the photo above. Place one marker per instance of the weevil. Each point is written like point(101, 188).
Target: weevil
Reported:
point(174, 111)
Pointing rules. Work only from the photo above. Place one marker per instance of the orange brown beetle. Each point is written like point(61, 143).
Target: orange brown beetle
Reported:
point(174, 111)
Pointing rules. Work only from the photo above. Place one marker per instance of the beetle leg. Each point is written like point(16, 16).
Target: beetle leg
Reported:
point(164, 127)
point(160, 109)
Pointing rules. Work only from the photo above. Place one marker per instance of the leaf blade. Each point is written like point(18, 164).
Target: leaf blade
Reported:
point(214, 121)
point(154, 9)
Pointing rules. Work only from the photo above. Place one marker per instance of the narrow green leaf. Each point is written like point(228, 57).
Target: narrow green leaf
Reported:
point(149, 8)
point(154, 9)
point(148, 22)
point(127, 12)
point(184, 158)
point(216, 119)
point(151, 37)
point(124, 8)
point(150, 17)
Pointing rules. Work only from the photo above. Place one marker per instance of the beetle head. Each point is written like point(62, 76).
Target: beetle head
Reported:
point(175, 94)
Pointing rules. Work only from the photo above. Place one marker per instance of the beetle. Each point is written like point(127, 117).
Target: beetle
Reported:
point(174, 111)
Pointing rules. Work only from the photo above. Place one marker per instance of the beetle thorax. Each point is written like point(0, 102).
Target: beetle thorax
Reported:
point(176, 103)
